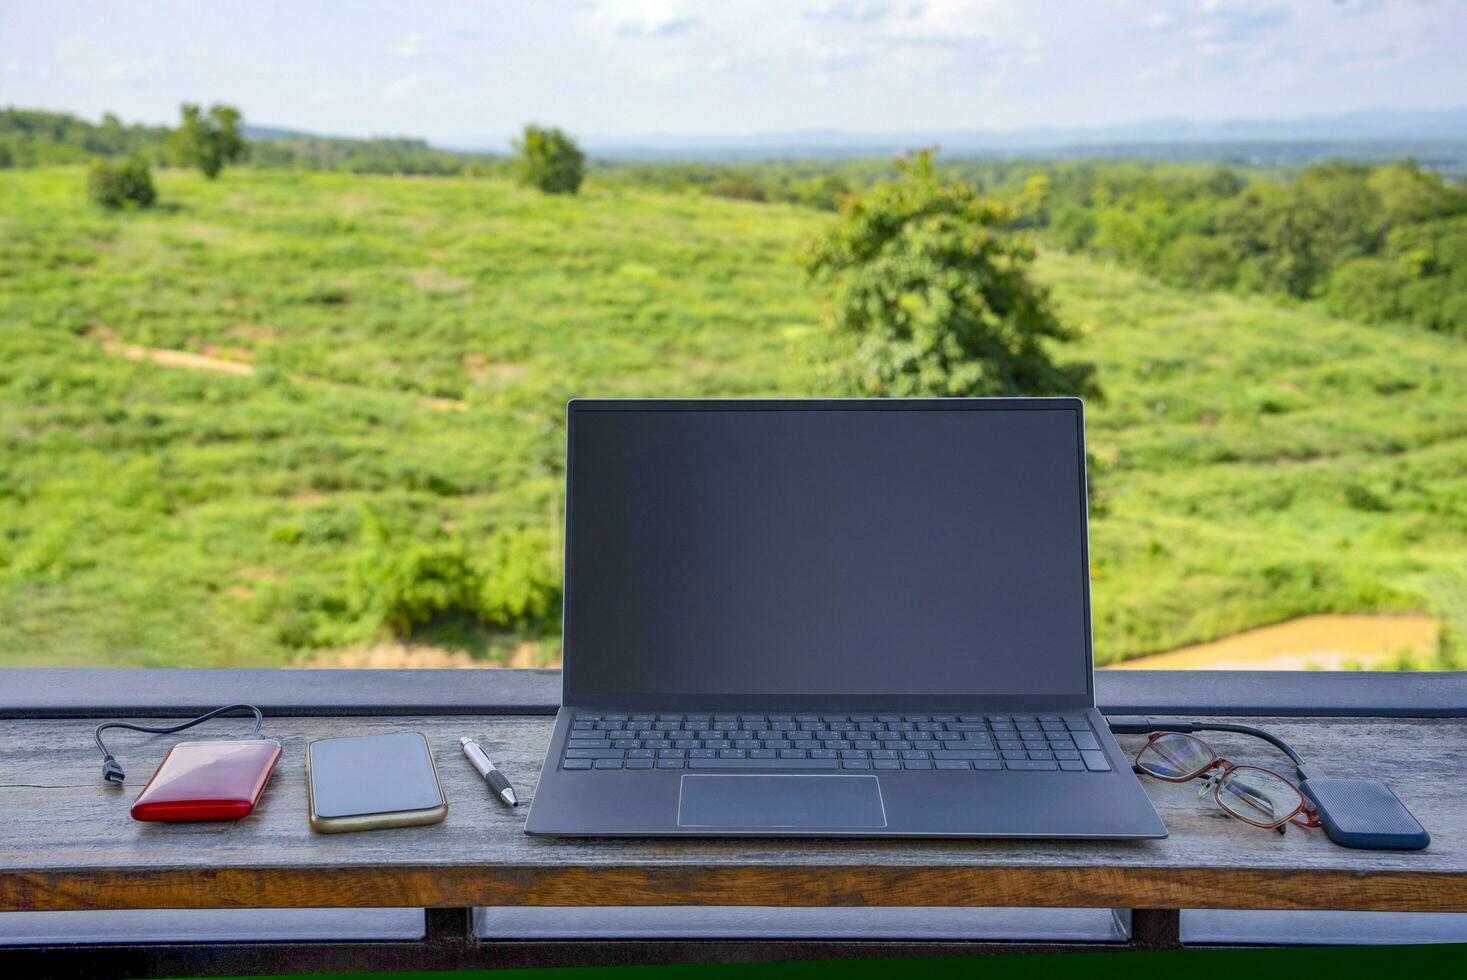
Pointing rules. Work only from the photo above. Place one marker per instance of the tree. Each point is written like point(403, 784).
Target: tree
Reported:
point(1275, 231)
point(1199, 262)
point(208, 140)
point(1349, 218)
point(1122, 234)
point(1368, 289)
point(935, 298)
point(1073, 228)
point(1408, 195)
point(1222, 182)
point(824, 192)
point(120, 185)
point(550, 160)
point(1031, 207)
point(739, 188)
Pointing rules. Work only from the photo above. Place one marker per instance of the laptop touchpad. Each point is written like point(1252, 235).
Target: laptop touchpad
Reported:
point(772, 802)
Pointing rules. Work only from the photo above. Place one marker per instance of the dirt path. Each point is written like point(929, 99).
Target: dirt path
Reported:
point(1328, 642)
point(420, 656)
point(190, 361)
point(178, 358)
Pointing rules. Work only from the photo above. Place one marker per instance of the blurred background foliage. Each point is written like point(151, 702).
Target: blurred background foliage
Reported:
point(317, 403)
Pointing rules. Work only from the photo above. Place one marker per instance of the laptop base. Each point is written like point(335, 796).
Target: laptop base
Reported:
point(1006, 803)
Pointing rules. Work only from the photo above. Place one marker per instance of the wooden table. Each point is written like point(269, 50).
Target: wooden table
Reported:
point(66, 841)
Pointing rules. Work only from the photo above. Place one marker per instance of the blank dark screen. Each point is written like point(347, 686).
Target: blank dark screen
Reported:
point(812, 552)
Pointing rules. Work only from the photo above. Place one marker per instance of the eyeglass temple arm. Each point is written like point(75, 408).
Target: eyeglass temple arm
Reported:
point(1140, 725)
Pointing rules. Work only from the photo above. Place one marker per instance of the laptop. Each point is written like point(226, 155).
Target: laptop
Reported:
point(830, 618)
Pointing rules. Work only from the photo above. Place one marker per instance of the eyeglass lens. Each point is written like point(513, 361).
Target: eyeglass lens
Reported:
point(1173, 756)
point(1258, 795)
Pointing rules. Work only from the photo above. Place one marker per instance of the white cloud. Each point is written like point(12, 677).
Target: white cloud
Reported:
point(941, 21)
point(410, 45)
point(1237, 23)
point(849, 11)
point(132, 69)
point(834, 58)
point(1155, 73)
point(643, 18)
point(403, 86)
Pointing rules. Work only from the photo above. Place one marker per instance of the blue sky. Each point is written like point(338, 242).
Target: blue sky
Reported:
point(469, 73)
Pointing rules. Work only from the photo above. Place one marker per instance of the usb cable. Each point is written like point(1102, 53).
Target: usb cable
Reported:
point(1139, 725)
point(112, 770)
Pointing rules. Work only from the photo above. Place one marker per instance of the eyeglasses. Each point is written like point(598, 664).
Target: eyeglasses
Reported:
point(1254, 795)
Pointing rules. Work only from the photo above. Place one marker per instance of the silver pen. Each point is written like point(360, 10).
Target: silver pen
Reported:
point(491, 775)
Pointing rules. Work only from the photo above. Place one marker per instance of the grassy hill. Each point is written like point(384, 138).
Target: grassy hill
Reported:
point(217, 414)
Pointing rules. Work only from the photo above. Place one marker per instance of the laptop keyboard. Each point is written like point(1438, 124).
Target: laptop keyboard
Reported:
point(743, 741)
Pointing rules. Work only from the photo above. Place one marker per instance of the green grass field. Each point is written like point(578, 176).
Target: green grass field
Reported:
point(411, 343)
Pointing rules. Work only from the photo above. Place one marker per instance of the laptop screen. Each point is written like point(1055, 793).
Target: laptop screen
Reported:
point(841, 549)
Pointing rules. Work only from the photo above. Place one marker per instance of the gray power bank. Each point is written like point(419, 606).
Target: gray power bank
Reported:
point(1364, 813)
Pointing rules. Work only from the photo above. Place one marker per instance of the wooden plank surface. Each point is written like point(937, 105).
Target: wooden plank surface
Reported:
point(67, 842)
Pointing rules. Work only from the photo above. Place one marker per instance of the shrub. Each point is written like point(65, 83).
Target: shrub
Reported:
point(1199, 262)
point(825, 193)
point(1451, 652)
point(737, 188)
point(550, 161)
point(400, 582)
point(1121, 234)
point(1359, 497)
point(120, 185)
point(519, 579)
point(1073, 228)
point(413, 582)
point(1369, 290)
point(1453, 317)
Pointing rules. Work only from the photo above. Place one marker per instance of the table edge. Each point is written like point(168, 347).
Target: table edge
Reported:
point(432, 886)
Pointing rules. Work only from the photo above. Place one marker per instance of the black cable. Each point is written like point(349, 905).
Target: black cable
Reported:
point(1131, 725)
point(1268, 737)
point(112, 772)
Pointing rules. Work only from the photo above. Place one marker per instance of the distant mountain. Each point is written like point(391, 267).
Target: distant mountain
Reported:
point(1371, 133)
point(1435, 137)
point(274, 133)
point(270, 134)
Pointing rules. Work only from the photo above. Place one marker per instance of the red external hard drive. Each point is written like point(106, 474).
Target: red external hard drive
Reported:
point(208, 781)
